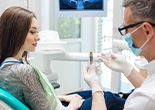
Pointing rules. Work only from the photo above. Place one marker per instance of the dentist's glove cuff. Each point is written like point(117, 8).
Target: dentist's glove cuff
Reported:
point(96, 90)
point(127, 70)
point(96, 87)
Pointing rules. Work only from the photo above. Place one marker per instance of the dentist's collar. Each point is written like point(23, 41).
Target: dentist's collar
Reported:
point(140, 62)
point(151, 67)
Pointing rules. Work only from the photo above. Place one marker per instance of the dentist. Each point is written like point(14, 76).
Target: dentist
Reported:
point(138, 30)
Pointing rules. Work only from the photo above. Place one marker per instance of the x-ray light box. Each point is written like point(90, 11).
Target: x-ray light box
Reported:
point(81, 8)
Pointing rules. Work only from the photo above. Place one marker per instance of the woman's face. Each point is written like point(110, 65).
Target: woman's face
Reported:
point(32, 37)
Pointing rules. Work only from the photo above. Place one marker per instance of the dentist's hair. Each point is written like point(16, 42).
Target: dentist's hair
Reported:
point(15, 23)
point(142, 10)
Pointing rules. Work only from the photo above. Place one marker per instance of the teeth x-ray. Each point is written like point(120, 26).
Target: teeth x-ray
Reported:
point(81, 4)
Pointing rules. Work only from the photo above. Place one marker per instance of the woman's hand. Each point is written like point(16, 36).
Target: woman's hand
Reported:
point(68, 98)
point(75, 102)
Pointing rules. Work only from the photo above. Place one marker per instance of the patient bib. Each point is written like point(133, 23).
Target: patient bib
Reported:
point(49, 90)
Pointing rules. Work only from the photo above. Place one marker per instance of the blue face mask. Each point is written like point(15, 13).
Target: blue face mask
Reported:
point(129, 40)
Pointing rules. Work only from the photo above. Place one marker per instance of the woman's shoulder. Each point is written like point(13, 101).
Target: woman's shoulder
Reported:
point(21, 67)
point(22, 70)
point(25, 73)
point(16, 68)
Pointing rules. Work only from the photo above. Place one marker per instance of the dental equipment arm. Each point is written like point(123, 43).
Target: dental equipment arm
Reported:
point(69, 56)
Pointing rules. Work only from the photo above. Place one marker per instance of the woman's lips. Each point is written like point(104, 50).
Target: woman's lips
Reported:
point(34, 44)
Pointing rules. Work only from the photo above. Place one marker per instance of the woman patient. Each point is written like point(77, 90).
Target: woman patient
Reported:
point(19, 35)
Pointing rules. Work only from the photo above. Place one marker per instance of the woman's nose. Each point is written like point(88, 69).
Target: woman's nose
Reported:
point(37, 37)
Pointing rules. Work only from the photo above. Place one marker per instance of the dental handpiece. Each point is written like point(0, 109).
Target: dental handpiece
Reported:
point(91, 57)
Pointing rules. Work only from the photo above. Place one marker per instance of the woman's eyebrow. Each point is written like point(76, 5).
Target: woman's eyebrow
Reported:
point(34, 28)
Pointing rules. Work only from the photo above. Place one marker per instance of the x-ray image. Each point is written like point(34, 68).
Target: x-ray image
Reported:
point(81, 4)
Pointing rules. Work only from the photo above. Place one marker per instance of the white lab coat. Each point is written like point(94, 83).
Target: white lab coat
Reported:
point(143, 98)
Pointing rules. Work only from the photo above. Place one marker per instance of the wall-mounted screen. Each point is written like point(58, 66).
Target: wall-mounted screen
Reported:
point(82, 8)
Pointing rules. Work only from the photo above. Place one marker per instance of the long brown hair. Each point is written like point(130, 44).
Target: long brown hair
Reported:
point(14, 26)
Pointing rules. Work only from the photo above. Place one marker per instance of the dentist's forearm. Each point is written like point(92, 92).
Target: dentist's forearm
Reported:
point(98, 102)
point(136, 78)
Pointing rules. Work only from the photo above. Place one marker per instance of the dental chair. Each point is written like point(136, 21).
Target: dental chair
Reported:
point(9, 102)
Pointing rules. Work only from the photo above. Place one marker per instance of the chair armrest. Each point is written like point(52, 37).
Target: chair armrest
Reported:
point(55, 85)
point(11, 101)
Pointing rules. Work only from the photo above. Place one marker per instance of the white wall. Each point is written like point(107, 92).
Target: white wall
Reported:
point(117, 16)
point(88, 36)
point(68, 71)
point(4, 4)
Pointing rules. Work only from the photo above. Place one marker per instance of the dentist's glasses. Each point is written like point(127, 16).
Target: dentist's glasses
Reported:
point(124, 29)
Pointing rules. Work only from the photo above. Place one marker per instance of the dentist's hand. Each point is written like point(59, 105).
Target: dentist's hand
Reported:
point(91, 77)
point(116, 63)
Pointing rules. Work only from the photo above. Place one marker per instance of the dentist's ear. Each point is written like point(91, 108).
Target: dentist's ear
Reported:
point(148, 30)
